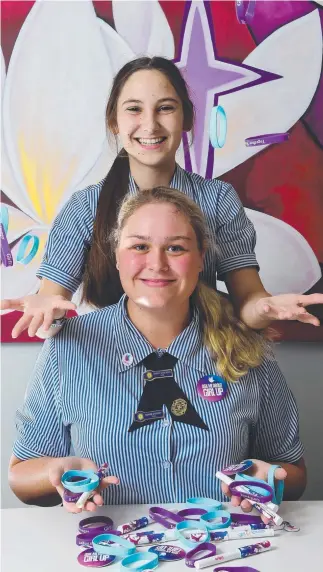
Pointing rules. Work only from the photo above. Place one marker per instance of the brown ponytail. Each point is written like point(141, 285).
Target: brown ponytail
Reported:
point(101, 282)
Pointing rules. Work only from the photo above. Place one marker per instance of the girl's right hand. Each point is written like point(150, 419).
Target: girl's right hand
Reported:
point(57, 469)
point(39, 311)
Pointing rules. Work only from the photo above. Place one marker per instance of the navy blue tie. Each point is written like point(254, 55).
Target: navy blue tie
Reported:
point(161, 389)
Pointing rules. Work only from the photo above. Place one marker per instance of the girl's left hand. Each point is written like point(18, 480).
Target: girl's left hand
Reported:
point(289, 307)
point(259, 470)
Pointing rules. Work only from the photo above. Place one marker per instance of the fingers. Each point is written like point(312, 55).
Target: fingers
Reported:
point(64, 305)
point(108, 481)
point(21, 325)
point(35, 324)
point(307, 318)
point(280, 474)
point(12, 304)
point(235, 501)
point(309, 299)
point(48, 320)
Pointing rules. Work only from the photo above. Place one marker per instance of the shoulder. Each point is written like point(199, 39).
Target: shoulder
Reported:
point(88, 196)
point(89, 328)
point(211, 193)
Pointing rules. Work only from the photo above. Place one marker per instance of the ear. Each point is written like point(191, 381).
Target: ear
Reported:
point(117, 261)
point(187, 125)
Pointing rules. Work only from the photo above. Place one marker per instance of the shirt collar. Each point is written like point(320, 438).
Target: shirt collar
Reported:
point(187, 347)
point(175, 183)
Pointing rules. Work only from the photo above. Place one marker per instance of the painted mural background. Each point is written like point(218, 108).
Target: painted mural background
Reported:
point(254, 69)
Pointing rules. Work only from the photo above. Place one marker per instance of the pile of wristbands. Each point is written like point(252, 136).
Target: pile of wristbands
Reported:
point(198, 527)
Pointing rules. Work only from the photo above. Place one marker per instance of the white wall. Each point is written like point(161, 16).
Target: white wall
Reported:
point(302, 364)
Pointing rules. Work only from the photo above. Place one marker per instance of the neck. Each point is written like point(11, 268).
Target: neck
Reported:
point(160, 327)
point(147, 177)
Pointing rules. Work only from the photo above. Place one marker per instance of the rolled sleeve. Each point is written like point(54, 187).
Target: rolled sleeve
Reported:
point(68, 242)
point(276, 436)
point(39, 423)
point(236, 235)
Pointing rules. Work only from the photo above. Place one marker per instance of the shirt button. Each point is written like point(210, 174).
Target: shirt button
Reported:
point(166, 423)
point(166, 464)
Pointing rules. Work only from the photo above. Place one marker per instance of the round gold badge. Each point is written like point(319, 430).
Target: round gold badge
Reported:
point(179, 407)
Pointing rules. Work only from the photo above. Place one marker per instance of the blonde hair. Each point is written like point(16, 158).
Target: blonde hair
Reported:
point(235, 347)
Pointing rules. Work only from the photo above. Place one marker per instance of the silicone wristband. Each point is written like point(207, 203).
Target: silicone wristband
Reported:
point(277, 486)
point(6, 254)
point(191, 525)
point(150, 559)
point(186, 513)
point(205, 548)
point(218, 127)
point(165, 517)
point(120, 546)
point(252, 494)
point(223, 514)
point(203, 502)
point(266, 139)
point(88, 483)
point(95, 525)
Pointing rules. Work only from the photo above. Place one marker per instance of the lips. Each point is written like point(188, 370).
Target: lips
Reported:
point(157, 283)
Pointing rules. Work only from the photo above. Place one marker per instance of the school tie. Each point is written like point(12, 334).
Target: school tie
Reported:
point(161, 389)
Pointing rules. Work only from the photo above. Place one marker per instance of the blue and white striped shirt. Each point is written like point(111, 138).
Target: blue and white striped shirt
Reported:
point(233, 232)
point(82, 394)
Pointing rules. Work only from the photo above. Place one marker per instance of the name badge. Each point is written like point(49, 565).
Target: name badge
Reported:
point(151, 375)
point(212, 388)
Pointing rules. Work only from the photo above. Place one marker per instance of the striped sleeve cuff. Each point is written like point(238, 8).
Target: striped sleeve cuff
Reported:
point(24, 453)
point(236, 262)
point(292, 455)
point(60, 277)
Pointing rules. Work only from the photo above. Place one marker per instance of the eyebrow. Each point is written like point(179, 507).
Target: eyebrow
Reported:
point(176, 237)
point(158, 101)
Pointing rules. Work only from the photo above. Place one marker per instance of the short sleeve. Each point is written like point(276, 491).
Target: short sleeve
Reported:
point(235, 236)
point(40, 428)
point(68, 242)
point(276, 434)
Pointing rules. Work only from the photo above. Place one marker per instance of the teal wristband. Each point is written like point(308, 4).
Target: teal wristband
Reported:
point(120, 546)
point(181, 527)
point(88, 481)
point(223, 514)
point(150, 561)
point(203, 502)
point(278, 486)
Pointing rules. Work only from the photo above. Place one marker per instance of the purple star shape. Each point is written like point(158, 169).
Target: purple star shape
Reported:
point(208, 77)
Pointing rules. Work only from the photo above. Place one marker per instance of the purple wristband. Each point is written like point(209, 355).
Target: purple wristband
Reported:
point(251, 494)
point(207, 549)
point(266, 139)
point(238, 519)
point(95, 525)
point(6, 255)
point(165, 517)
point(186, 513)
point(85, 540)
point(235, 569)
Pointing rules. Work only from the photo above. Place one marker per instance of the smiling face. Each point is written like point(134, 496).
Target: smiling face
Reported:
point(158, 257)
point(149, 118)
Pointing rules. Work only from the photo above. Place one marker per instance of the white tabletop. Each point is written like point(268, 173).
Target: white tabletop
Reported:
point(43, 540)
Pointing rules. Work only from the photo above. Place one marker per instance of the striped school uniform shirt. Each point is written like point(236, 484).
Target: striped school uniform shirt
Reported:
point(234, 234)
point(84, 395)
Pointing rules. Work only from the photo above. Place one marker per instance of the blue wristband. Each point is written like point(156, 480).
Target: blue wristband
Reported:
point(89, 481)
point(192, 525)
point(120, 546)
point(150, 559)
point(203, 502)
point(223, 514)
point(278, 486)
